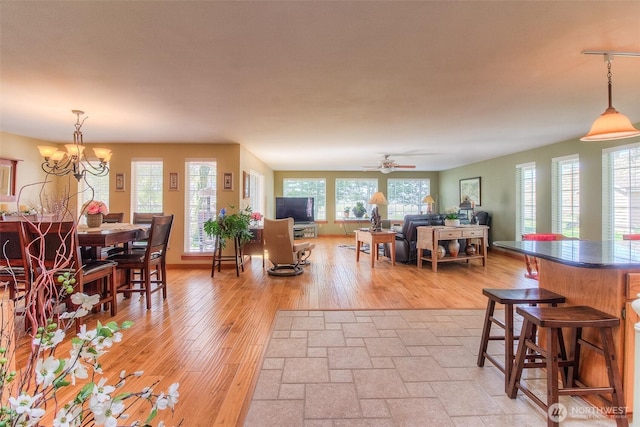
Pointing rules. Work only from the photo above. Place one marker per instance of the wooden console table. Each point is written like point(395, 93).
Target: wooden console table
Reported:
point(430, 237)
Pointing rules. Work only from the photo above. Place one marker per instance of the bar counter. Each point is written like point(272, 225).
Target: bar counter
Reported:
point(601, 274)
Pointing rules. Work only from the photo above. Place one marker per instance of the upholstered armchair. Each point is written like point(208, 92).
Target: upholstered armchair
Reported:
point(286, 256)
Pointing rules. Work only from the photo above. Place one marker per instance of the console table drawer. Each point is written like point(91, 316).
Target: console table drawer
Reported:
point(472, 233)
point(449, 234)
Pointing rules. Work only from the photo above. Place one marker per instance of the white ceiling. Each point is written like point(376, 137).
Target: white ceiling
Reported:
point(318, 85)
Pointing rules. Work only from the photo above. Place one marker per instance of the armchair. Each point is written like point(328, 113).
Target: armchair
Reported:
point(286, 256)
point(407, 238)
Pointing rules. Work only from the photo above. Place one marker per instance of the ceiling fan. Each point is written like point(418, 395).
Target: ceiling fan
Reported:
point(388, 165)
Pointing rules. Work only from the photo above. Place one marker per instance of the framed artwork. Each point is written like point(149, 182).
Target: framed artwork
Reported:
point(245, 185)
point(120, 181)
point(470, 191)
point(227, 181)
point(173, 181)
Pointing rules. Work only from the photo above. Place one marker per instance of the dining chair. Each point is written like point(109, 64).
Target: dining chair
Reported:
point(14, 265)
point(143, 218)
point(54, 249)
point(113, 217)
point(140, 266)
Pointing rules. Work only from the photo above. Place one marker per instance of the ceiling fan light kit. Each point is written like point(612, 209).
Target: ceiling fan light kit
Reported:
point(388, 165)
point(611, 124)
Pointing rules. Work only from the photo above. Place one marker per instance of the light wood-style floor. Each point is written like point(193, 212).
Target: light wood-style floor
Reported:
point(209, 334)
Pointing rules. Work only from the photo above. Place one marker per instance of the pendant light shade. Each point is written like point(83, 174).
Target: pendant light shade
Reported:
point(611, 124)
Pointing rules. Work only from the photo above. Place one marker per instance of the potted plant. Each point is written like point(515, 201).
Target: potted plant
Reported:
point(359, 210)
point(95, 211)
point(346, 211)
point(230, 226)
point(451, 217)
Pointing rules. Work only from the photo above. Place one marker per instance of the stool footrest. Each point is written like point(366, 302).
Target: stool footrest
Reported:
point(584, 391)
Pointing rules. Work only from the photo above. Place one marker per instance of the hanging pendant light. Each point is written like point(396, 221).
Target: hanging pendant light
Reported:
point(611, 124)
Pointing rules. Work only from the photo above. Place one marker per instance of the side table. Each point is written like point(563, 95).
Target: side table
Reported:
point(429, 237)
point(374, 238)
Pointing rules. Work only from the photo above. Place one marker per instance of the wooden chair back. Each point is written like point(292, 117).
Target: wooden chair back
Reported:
point(14, 265)
point(113, 217)
point(145, 217)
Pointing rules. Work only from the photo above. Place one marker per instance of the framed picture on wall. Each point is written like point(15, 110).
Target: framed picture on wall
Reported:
point(120, 181)
point(173, 181)
point(470, 191)
point(227, 181)
point(245, 185)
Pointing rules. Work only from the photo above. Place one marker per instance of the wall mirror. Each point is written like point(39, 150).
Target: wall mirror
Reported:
point(8, 180)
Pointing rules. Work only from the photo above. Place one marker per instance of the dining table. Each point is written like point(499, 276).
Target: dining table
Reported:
point(110, 234)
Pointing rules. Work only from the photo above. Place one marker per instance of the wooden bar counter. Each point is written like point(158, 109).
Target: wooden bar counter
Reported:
point(604, 275)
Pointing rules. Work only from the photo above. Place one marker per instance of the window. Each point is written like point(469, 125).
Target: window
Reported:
point(565, 193)
point(200, 203)
point(100, 186)
point(308, 187)
point(525, 199)
point(620, 191)
point(351, 191)
point(256, 192)
point(146, 186)
point(404, 196)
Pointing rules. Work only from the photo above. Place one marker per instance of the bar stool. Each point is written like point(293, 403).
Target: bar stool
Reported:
point(509, 297)
point(576, 318)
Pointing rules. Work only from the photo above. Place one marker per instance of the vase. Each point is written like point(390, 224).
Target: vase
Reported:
point(471, 249)
point(441, 252)
point(454, 248)
point(94, 220)
point(452, 222)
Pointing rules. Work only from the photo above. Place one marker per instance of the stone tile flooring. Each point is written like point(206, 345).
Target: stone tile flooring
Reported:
point(391, 368)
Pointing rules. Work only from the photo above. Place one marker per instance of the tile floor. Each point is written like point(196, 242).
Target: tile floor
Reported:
point(390, 368)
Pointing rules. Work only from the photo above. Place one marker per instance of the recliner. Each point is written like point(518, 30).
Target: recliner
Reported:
point(407, 238)
point(286, 256)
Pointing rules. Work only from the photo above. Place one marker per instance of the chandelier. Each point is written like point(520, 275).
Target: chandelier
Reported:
point(74, 160)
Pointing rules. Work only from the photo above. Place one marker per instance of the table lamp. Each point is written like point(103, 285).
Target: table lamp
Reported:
point(377, 199)
point(429, 201)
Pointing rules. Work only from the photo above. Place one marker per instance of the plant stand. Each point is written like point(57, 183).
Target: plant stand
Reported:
point(237, 258)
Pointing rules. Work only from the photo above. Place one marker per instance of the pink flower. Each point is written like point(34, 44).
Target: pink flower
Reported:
point(256, 216)
point(96, 207)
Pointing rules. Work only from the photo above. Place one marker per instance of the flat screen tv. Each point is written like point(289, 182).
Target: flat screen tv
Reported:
point(298, 208)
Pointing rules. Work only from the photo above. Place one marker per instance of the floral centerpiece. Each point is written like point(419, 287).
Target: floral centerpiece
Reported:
point(95, 210)
point(256, 217)
point(230, 226)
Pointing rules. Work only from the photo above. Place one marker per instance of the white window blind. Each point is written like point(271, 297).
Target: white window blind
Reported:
point(565, 196)
point(620, 191)
point(404, 196)
point(146, 186)
point(200, 203)
point(308, 187)
point(525, 199)
point(93, 188)
point(351, 191)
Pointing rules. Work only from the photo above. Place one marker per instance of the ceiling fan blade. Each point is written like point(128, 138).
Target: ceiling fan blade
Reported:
point(405, 166)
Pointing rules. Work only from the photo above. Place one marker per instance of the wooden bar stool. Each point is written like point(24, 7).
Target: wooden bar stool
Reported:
point(509, 297)
point(553, 319)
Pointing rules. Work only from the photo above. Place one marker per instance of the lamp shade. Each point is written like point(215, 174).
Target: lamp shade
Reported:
point(609, 126)
point(428, 199)
point(377, 199)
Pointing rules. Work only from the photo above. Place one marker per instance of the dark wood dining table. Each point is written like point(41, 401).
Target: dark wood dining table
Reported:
point(108, 235)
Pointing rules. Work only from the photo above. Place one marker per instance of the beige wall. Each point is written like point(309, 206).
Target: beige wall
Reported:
point(229, 157)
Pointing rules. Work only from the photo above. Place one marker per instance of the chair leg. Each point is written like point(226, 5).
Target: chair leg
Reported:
point(552, 373)
point(147, 289)
point(614, 376)
point(486, 331)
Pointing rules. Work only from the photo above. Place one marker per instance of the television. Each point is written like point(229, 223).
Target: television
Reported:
point(298, 208)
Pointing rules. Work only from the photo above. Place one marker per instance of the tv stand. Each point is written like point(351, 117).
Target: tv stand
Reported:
point(305, 230)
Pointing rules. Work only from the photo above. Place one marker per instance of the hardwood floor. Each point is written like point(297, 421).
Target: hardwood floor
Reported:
point(209, 333)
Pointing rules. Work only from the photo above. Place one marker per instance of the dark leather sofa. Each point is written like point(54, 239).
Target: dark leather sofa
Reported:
point(407, 237)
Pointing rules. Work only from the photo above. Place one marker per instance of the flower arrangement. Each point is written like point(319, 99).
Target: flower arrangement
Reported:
point(256, 217)
point(230, 226)
point(451, 213)
point(96, 207)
